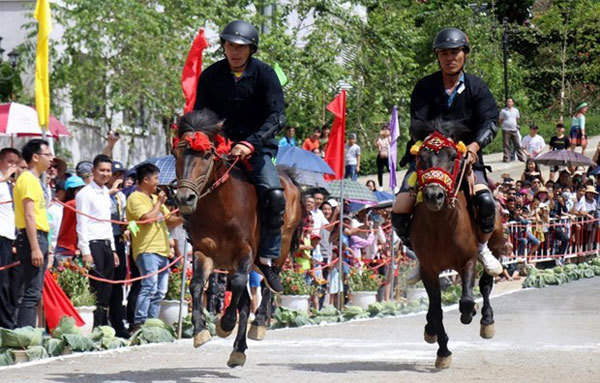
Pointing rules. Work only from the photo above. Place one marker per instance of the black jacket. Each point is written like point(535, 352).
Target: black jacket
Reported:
point(474, 107)
point(252, 106)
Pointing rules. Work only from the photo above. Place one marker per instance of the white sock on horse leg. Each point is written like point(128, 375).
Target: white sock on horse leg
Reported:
point(265, 261)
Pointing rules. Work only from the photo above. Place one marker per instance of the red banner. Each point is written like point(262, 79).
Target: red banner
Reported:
point(334, 154)
point(192, 70)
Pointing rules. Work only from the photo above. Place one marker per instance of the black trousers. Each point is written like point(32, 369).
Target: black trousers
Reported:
point(134, 291)
point(116, 310)
point(381, 163)
point(104, 267)
point(33, 278)
point(7, 309)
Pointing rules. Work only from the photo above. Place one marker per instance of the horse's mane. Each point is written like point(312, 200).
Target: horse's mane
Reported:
point(203, 120)
point(452, 129)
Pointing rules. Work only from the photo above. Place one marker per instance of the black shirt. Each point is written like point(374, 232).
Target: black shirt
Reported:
point(252, 105)
point(559, 143)
point(473, 106)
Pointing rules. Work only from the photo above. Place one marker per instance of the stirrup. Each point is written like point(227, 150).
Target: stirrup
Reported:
point(491, 264)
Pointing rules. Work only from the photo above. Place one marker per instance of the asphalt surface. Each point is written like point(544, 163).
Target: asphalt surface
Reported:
point(546, 335)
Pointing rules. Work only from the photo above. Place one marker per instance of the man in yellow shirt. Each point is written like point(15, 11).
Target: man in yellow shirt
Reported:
point(32, 225)
point(151, 249)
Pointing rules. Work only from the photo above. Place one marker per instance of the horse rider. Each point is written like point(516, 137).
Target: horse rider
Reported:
point(451, 94)
point(246, 93)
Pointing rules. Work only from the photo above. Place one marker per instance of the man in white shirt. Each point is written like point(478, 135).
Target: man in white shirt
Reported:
point(509, 120)
point(95, 238)
point(9, 158)
point(533, 144)
point(319, 219)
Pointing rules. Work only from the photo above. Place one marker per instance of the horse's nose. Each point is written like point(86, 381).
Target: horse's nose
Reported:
point(439, 196)
point(186, 200)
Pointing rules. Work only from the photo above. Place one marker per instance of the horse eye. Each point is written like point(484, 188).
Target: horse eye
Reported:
point(206, 156)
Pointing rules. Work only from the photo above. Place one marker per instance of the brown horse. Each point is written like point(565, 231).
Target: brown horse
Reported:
point(222, 219)
point(444, 235)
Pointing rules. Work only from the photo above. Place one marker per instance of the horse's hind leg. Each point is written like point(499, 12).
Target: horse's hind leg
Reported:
point(486, 283)
point(202, 269)
point(467, 304)
point(258, 327)
point(237, 357)
point(238, 284)
point(435, 327)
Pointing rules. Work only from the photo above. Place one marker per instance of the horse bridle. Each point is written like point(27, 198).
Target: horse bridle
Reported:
point(199, 184)
point(448, 181)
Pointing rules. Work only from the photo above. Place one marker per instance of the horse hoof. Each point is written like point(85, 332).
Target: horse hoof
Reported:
point(442, 362)
point(466, 318)
point(236, 359)
point(220, 332)
point(257, 332)
point(487, 331)
point(429, 338)
point(201, 338)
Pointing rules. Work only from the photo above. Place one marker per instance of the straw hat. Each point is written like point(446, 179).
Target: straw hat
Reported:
point(590, 189)
point(541, 189)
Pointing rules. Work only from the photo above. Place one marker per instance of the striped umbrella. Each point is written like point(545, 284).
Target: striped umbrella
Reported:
point(353, 190)
point(22, 120)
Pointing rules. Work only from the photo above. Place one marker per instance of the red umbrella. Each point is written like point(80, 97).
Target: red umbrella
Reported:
point(21, 120)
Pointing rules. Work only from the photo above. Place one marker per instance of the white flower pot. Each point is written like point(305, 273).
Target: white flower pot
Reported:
point(169, 311)
point(363, 299)
point(295, 302)
point(87, 315)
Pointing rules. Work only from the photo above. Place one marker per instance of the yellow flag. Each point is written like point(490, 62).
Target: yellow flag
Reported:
point(42, 82)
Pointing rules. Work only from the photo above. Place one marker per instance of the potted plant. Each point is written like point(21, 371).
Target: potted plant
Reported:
point(71, 279)
point(169, 307)
point(364, 285)
point(295, 291)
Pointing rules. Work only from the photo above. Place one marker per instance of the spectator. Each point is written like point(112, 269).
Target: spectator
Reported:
point(312, 142)
point(324, 138)
point(288, 139)
point(370, 184)
point(558, 142)
point(31, 221)
point(509, 120)
point(84, 170)
point(533, 143)
point(352, 157)
point(116, 311)
point(55, 212)
point(586, 208)
point(9, 158)
point(577, 135)
point(382, 143)
point(95, 238)
point(317, 152)
point(66, 244)
point(150, 246)
point(531, 172)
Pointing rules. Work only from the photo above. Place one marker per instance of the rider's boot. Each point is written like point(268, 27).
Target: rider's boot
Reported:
point(486, 214)
point(401, 224)
point(270, 238)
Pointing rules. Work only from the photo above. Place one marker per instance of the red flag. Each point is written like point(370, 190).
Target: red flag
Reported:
point(192, 70)
point(334, 154)
point(56, 303)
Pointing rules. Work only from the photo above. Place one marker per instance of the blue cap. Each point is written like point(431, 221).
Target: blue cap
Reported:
point(74, 182)
point(118, 167)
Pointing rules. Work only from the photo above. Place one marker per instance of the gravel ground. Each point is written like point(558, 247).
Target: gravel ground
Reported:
point(546, 335)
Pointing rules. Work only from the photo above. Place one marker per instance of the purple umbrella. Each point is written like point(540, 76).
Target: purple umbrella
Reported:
point(563, 158)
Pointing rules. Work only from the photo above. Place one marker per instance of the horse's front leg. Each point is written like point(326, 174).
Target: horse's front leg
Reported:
point(258, 327)
point(434, 330)
point(237, 357)
point(203, 267)
point(488, 330)
point(467, 304)
point(238, 283)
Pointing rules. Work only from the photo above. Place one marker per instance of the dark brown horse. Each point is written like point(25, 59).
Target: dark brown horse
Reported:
point(223, 223)
point(445, 236)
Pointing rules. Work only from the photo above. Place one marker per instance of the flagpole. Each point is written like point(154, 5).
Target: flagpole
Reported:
point(183, 283)
point(340, 300)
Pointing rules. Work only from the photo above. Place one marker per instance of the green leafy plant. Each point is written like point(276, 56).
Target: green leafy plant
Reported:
point(294, 283)
point(366, 280)
point(74, 284)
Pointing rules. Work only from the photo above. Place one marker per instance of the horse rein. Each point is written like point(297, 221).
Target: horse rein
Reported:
point(199, 184)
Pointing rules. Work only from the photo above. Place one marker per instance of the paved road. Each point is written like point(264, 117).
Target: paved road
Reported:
point(547, 335)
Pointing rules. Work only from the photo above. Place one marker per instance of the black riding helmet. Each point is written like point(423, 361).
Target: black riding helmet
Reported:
point(240, 32)
point(449, 38)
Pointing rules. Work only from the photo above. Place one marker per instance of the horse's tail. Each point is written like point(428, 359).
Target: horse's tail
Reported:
point(291, 174)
